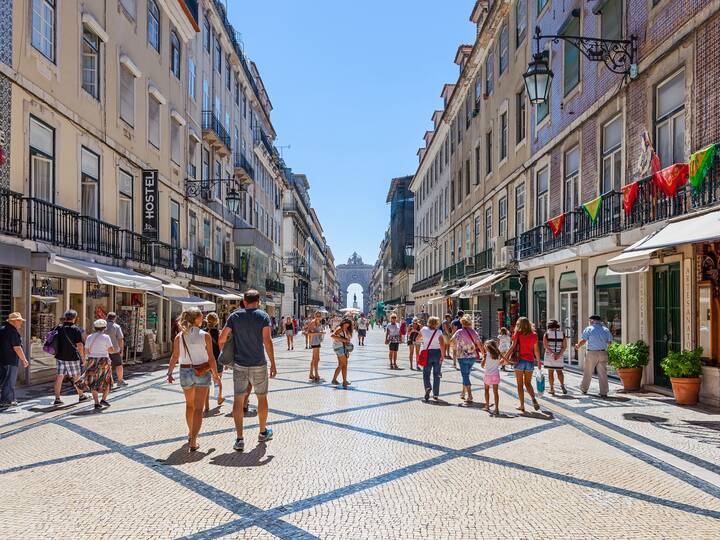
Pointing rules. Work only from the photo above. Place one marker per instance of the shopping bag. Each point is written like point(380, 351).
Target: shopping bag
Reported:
point(227, 354)
point(539, 381)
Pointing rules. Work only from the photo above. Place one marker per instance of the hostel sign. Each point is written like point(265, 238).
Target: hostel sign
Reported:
point(150, 204)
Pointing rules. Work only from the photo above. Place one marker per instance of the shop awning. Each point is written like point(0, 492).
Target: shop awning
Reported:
point(187, 302)
point(221, 294)
point(44, 299)
point(174, 290)
point(468, 284)
point(701, 228)
point(631, 262)
point(104, 274)
point(485, 283)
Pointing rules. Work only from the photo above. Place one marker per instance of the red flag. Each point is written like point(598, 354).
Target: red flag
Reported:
point(630, 193)
point(671, 178)
point(556, 224)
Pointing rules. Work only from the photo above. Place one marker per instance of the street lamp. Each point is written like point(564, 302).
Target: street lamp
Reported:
point(203, 188)
point(538, 78)
point(232, 200)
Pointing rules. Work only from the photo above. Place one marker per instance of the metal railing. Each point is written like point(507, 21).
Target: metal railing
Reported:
point(99, 237)
point(241, 162)
point(274, 285)
point(210, 122)
point(484, 260)
point(48, 222)
point(11, 212)
point(426, 283)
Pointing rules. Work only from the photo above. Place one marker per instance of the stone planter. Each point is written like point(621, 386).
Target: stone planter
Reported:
point(631, 378)
point(686, 390)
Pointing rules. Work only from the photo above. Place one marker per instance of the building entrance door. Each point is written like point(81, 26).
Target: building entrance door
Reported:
point(666, 316)
point(569, 322)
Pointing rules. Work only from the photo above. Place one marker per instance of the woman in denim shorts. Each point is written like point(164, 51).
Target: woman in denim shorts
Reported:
point(525, 342)
point(342, 345)
point(193, 348)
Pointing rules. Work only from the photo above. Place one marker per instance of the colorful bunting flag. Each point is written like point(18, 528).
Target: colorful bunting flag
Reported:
point(699, 165)
point(671, 178)
point(556, 224)
point(593, 208)
point(630, 193)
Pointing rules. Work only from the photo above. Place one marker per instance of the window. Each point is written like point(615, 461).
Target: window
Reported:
point(478, 228)
point(503, 49)
point(217, 244)
point(468, 241)
point(42, 161)
point(175, 141)
point(237, 92)
point(571, 183)
point(228, 73)
point(90, 183)
point(611, 19)
point(153, 25)
point(478, 91)
point(127, 96)
point(192, 155)
point(174, 54)
point(571, 56)
point(206, 95)
point(43, 27)
point(191, 78)
point(519, 210)
point(467, 177)
point(153, 121)
point(174, 224)
point(205, 168)
point(125, 200)
point(218, 56)
point(612, 155)
point(541, 188)
point(129, 7)
point(91, 63)
point(520, 117)
point(608, 301)
point(503, 136)
point(217, 193)
point(488, 227)
point(488, 152)
point(452, 192)
point(207, 35)
point(489, 74)
point(670, 120)
point(520, 22)
point(192, 232)
point(502, 217)
point(540, 5)
point(477, 165)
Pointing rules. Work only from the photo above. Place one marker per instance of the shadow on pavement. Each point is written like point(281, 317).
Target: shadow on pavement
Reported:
point(183, 455)
point(253, 458)
point(546, 415)
point(437, 403)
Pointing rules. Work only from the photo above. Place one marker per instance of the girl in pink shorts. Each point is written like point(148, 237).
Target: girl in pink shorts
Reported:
point(491, 364)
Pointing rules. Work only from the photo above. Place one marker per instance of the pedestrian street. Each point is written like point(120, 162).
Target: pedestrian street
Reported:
point(370, 461)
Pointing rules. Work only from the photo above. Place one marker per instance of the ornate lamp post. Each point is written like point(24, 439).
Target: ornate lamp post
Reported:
point(202, 188)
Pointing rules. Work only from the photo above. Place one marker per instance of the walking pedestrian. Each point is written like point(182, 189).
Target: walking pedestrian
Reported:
point(392, 340)
point(447, 331)
point(249, 328)
point(11, 355)
point(467, 349)
point(525, 344)
point(212, 322)
point(69, 355)
point(115, 333)
point(193, 348)
point(372, 322)
point(433, 341)
point(555, 344)
point(504, 342)
point(290, 333)
point(455, 325)
point(342, 345)
point(413, 342)
point(305, 324)
point(362, 326)
point(597, 336)
point(97, 377)
point(491, 364)
point(313, 334)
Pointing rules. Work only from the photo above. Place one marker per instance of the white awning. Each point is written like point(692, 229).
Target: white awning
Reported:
point(188, 302)
point(45, 299)
point(222, 294)
point(631, 262)
point(470, 283)
point(105, 274)
point(174, 290)
point(485, 283)
point(690, 230)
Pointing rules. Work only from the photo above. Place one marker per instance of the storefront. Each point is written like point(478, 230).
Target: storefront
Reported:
point(569, 303)
point(226, 301)
point(608, 300)
point(540, 303)
point(47, 305)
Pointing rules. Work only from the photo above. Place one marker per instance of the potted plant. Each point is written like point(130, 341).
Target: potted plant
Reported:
point(684, 369)
point(629, 359)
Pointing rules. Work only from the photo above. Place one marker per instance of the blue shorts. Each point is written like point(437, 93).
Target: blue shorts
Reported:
point(525, 365)
point(188, 379)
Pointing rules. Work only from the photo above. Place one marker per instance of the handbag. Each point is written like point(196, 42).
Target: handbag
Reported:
point(227, 355)
point(200, 369)
point(423, 356)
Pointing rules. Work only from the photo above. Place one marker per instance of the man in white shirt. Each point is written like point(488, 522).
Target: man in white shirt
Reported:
point(115, 333)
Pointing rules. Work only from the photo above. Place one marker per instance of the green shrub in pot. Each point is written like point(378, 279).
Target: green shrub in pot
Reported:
point(683, 364)
point(628, 355)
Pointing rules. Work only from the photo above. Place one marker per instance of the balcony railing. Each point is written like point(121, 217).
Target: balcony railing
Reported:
point(426, 283)
point(274, 285)
point(11, 212)
point(455, 271)
point(212, 124)
point(207, 267)
point(47, 222)
point(261, 138)
point(99, 237)
point(241, 162)
point(651, 205)
point(484, 260)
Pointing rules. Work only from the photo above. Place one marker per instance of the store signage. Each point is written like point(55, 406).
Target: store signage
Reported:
point(97, 292)
point(45, 288)
point(150, 202)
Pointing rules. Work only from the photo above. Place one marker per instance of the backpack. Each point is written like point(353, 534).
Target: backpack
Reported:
point(51, 344)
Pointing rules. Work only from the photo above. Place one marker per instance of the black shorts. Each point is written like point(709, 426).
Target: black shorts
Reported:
point(361, 333)
point(394, 346)
point(116, 359)
point(314, 346)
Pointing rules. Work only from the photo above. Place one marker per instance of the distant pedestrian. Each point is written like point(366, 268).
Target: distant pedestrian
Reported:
point(504, 342)
point(11, 355)
point(249, 328)
point(597, 337)
point(467, 349)
point(289, 333)
point(212, 322)
point(392, 340)
point(372, 323)
point(313, 334)
point(413, 342)
point(115, 333)
point(342, 345)
point(525, 344)
point(455, 325)
point(193, 348)
point(69, 355)
point(433, 341)
point(555, 344)
point(362, 326)
point(97, 377)
point(491, 364)
point(447, 331)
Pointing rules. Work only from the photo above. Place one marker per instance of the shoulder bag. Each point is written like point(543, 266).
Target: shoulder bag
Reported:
point(227, 354)
point(422, 359)
point(200, 369)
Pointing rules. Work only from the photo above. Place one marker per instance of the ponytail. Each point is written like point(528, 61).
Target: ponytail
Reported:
point(187, 319)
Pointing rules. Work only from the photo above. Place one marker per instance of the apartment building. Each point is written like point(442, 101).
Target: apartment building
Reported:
point(401, 246)
point(139, 173)
point(599, 225)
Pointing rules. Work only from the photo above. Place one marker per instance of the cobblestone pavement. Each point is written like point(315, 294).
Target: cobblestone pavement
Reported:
point(372, 461)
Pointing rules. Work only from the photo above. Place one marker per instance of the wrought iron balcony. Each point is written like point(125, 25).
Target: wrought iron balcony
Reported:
point(484, 260)
point(264, 140)
point(11, 210)
point(274, 285)
point(243, 169)
point(215, 133)
point(426, 283)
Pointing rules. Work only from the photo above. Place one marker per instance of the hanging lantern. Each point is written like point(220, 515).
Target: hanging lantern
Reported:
point(538, 78)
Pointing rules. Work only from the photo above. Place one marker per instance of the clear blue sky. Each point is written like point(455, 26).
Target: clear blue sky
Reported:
point(353, 86)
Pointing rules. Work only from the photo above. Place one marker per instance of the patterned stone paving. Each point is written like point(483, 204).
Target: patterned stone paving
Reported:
point(372, 461)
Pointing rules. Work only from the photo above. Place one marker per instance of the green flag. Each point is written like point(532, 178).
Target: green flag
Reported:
point(593, 208)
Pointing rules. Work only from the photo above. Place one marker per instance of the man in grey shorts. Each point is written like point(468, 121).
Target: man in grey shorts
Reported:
point(249, 328)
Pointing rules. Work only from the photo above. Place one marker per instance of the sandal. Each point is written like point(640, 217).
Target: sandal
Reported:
point(346, 384)
point(335, 382)
point(536, 405)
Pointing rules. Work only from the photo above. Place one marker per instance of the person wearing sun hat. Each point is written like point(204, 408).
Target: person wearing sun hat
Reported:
point(11, 353)
point(597, 337)
point(98, 371)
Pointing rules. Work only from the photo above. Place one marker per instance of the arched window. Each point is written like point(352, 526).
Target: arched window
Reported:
point(174, 54)
point(153, 25)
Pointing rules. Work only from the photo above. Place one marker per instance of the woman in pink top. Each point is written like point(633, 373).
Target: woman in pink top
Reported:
point(468, 347)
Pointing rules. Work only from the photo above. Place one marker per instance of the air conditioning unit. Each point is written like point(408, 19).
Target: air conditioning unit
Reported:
point(470, 261)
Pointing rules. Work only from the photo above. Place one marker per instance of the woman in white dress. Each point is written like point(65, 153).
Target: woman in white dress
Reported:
point(555, 344)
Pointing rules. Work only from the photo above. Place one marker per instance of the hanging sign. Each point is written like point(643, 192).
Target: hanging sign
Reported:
point(150, 204)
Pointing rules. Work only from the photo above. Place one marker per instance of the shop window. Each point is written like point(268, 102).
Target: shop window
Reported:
point(569, 314)
point(90, 180)
point(608, 300)
point(47, 306)
point(670, 119)
point(540, 303)
point(42, 161)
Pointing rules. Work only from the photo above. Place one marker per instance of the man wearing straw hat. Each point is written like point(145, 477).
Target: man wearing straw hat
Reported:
point(11, 353)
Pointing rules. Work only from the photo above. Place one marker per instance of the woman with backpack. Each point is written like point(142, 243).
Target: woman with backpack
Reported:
point(342, 345)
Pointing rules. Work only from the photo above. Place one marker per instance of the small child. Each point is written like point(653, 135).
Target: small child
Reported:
point(491, 365)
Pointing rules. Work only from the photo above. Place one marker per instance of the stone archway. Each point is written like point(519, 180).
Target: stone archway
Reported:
point(355, 271)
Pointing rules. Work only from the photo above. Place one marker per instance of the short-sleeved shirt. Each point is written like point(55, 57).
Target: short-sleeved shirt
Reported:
point(465, 341)
point(597, 336)
point(9, 339)
point(69, 336)
point(456, 325)
point(427, 334)
point(393, 333)
point(115, 332)
point(526, 345)
point(98, 345)
point(247, 333)
point(362, 324)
